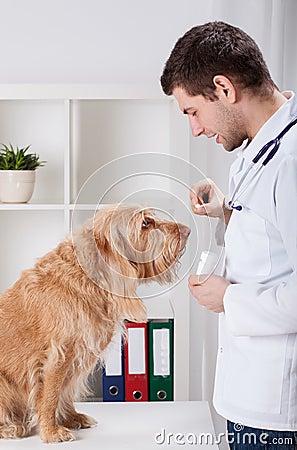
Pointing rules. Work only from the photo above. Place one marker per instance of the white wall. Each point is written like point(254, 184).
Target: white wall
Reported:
point(89, 40)
point(52, 41)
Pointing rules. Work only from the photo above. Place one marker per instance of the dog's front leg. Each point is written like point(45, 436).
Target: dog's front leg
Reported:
point(47, 403)
point(66, 414)
point(75, 420)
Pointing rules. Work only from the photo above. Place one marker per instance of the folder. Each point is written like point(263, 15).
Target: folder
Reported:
point(136, 363)
point(113, 374)
point(160, 336)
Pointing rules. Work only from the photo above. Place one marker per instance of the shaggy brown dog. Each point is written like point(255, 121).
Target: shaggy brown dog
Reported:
point(58, 318)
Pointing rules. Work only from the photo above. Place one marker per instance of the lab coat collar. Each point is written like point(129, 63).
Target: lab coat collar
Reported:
point(271, 128)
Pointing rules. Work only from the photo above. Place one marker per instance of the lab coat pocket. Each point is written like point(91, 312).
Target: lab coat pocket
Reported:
point(258, 364)
point(247, 247)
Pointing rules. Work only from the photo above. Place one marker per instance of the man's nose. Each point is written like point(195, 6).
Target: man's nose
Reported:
point(196, 127)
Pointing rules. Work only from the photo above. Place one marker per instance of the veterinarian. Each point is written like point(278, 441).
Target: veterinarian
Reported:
point(220, 80)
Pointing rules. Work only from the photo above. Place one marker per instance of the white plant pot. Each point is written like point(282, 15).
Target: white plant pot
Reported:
point(16, 186)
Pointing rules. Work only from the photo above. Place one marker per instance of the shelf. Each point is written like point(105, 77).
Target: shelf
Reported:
point(31, 207)
point(57, 206)
point(48, 206)
point(85, 207)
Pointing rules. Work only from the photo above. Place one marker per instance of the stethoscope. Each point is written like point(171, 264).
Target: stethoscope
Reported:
point(275, 143)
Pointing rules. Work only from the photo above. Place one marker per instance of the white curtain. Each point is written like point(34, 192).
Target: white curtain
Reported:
point(272, 23)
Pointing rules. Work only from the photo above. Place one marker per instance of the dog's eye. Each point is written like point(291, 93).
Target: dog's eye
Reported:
point(146, 222)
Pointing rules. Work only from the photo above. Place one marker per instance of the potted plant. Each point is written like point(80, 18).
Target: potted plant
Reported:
point(17, 173)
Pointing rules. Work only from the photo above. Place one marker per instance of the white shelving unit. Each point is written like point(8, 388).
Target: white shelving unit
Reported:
point(85, 133)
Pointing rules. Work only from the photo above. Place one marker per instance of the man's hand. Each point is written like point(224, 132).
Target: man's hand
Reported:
point(209, 290)
point(208, 200)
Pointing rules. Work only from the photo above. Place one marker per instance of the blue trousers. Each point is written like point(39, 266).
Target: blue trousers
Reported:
point(241, 437)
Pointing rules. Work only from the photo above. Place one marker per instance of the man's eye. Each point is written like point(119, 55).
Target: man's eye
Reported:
point(194, 113)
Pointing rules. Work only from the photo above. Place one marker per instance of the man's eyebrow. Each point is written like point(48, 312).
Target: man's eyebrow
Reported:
point(186, 110)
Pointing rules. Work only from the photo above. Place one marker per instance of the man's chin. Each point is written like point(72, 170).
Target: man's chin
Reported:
point(230, 146)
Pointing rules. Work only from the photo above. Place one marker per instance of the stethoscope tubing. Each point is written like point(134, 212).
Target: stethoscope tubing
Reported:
point(276, 144)
point(235, 197)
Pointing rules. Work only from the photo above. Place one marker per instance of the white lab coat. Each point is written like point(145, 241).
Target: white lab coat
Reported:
point(256, 379)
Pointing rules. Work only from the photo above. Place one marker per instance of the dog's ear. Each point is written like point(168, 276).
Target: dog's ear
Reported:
point(116, 275)
point(120, 278)
point(100, 226)
point(85, 250)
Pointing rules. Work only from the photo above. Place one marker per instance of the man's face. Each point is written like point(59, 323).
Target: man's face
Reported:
point(212, 118)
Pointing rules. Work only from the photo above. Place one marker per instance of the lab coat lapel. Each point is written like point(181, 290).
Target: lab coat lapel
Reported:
point(236, 172)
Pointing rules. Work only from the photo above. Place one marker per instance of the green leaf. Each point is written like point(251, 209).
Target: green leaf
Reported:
point(18, 159)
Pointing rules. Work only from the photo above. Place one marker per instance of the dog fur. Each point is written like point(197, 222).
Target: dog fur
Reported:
point(59, 317)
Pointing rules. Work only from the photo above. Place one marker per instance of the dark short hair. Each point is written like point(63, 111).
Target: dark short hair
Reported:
point(215, 48)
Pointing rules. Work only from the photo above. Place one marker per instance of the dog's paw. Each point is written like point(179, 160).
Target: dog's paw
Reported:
point(13, 431)
point(7, 432)
point(77, 421)
point(87, 421)
point(57, 434)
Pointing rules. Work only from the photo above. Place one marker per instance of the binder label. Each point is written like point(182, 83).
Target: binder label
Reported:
point(113, 361)
point(161, 351)
point(136, 351)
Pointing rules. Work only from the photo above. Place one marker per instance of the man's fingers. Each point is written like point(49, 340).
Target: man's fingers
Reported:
point(197, 280)
point(193, 280)
point(202, 210)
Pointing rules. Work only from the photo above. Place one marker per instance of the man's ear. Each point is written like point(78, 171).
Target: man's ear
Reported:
point(225, 89)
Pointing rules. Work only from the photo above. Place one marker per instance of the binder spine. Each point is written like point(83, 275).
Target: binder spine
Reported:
point(160, 336)
point(136, 363)
point(113, 374)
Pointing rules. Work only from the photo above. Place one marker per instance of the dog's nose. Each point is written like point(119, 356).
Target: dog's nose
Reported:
point(184, 231)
